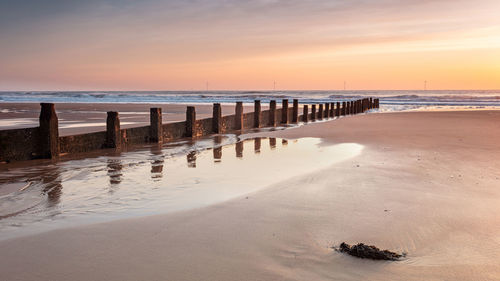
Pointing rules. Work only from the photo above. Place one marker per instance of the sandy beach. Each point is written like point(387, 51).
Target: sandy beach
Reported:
point(425, 183)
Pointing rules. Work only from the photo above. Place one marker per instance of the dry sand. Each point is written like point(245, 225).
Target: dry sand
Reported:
point(426, 183)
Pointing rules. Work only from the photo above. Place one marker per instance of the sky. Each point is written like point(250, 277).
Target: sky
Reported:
point(249, 45)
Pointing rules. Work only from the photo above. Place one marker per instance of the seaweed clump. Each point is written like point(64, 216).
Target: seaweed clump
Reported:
point(369, 252)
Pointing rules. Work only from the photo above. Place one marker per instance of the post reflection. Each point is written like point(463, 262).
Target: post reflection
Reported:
point(115, 171)
point(239, 149)
point(52, 186)
point(156, 162)
point(256, 146)
point(191, 159)
point(272, 143)
point(217, 149)
point(284, 142)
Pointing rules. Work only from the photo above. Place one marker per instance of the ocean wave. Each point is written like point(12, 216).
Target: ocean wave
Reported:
point(416, 98)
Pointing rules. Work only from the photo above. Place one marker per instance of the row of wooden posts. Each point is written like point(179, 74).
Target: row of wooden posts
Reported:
point(49, 132)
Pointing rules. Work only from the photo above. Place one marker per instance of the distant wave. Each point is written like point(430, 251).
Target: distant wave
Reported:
point(389, 98)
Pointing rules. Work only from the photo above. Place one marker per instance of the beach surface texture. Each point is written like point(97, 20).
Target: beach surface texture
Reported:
point(425, 183)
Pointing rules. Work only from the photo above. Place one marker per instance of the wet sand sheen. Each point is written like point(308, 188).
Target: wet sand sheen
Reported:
point(162, 179)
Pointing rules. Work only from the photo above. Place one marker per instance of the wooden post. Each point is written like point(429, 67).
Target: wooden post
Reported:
point(371, 103)
point(239, 116)
point(155, 127)
point(217, 118)
point(351, 107)
point(272, 113)
point(343, 109)
point(49, 131)
point(284, 111)
point(305, 116)
point(327, 110)
point(295, 113)
point(256, 114)
point(113, 136)
point(337, 110)
point(190, 122)
point(313, 112)
point(320, 111)
point(377, 103)
point(332, 109)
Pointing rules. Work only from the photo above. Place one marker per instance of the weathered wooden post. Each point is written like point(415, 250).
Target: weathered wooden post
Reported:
point(49, 131)
point(351, 107)
point(327, 110)
point(217, 118)
point(113, 136)
point(343, 108)
point(377, 103)
point(272, 113)
point(371, 103)
point(156, 126)
point(313, 112)
point(337, 109)
point(332, 109)
point(239, 116)
point(320, 111)
point(256, 114)
point(348, 108)
point(190, 122)
point(305, 116)
point(284, 111)
point(295, 113)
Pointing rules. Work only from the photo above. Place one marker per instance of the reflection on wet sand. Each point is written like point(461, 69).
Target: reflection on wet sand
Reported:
point(52, 186)
point(91, 185)
point(156, 162)
point(256, 146)
point(272, 143)
point(239, 149)
point(191, 159)
point(217, 149)
point(115, 171)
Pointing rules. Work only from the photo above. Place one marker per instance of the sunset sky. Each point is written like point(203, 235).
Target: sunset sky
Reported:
point(246, 45)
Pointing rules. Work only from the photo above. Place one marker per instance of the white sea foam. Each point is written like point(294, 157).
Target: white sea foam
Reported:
point(389, 100)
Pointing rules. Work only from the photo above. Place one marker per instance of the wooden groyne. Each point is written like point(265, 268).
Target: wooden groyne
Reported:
point(44, 141)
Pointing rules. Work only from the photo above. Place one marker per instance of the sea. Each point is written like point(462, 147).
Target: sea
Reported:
point(390, 100)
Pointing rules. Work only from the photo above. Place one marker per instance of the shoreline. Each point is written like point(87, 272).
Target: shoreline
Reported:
point(425, 184)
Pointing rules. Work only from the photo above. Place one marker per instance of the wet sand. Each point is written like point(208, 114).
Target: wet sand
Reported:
point(426, 183)
point(77, 118)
